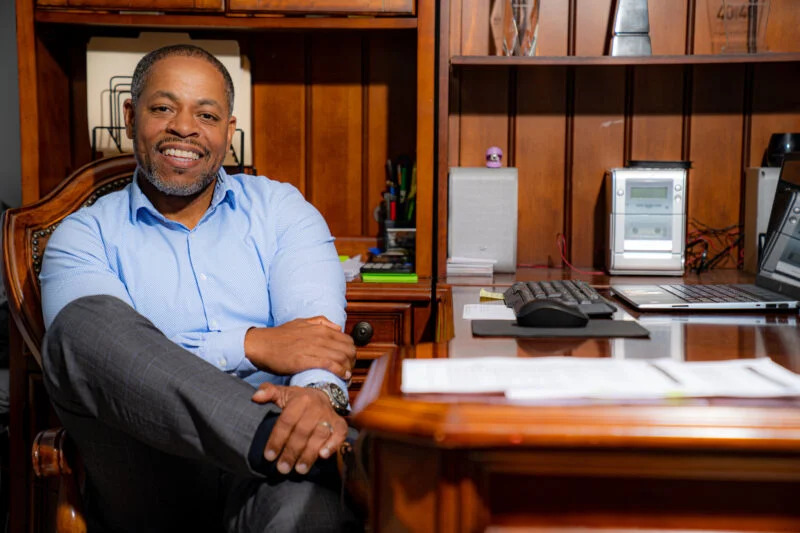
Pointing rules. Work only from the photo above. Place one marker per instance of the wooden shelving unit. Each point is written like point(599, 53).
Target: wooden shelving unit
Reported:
point(552, 61)
point(565, 115)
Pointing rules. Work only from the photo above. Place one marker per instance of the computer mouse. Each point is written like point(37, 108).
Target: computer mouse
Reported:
point(550, 314)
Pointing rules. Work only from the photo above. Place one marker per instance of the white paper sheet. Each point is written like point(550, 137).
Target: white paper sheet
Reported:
point(496, 311)
point(548, 378)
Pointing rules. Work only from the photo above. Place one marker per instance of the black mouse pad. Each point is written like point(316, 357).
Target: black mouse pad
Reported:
point(594, 328)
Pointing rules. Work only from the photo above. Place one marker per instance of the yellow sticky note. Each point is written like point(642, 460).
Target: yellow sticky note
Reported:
point(488, 295)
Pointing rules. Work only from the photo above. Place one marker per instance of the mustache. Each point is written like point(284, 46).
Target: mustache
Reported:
point(196, 144)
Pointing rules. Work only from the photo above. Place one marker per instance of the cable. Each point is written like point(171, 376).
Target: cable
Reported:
point(561, 241)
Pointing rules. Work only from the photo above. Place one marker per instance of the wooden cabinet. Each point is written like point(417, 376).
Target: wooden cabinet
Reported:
point(394, 7)
point(144, 5)
point(567, 114)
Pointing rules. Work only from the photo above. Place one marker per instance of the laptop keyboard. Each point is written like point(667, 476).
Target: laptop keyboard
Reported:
point(716, 293)
point(571, 292)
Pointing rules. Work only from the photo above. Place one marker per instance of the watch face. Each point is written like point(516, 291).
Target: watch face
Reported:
point(338, 397)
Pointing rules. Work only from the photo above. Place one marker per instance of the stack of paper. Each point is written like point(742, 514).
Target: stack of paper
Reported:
point(352, 267)
point(568, 378)
point(467, 266)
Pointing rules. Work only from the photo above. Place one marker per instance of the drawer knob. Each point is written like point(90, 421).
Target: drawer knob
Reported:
point(362, 333)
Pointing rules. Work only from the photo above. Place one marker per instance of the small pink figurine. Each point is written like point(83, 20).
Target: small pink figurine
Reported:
point(494, 157)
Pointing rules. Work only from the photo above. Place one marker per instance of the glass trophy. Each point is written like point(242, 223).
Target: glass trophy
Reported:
point(515, 26)
point(738, 26)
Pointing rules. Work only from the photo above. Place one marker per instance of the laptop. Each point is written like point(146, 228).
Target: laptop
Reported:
point(777, 285)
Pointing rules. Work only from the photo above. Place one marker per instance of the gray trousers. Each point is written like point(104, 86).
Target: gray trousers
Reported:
point(164, 436)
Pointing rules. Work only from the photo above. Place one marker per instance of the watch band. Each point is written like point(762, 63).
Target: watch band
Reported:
point(335, 395)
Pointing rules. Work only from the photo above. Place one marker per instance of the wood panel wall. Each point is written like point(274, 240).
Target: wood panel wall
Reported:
point(328, 109)
point(563, 126)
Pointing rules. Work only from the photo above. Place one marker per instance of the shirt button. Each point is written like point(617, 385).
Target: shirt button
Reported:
point(222, 362)
point(203, 276)
point(213, 324)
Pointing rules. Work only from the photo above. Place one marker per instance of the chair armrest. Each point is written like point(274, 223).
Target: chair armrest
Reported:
point(53, 456)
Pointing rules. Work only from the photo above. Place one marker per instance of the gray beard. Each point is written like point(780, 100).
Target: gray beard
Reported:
point(175, 189)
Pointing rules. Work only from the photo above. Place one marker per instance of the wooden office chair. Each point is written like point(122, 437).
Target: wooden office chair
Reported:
point(26, 231)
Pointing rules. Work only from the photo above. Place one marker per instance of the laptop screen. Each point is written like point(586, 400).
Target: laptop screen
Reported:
point(779, 269)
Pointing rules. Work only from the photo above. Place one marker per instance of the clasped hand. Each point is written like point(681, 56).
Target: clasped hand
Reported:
point(306, 429)
point(301, 344)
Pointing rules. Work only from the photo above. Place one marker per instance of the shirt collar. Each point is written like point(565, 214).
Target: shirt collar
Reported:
point(223, 192)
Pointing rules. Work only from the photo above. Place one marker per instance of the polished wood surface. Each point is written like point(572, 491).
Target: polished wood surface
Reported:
point(471, 462)
point(326, 6)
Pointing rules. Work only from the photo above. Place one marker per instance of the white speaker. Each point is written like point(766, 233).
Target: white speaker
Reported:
point(482, 215)
point(760, 184)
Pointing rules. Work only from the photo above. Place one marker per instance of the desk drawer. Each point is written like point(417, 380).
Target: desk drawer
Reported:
point(377, 7)
point(138, 5)
point(392, 324)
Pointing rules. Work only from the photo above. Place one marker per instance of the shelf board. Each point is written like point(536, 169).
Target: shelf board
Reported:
point(220, 21)
point(508, 61)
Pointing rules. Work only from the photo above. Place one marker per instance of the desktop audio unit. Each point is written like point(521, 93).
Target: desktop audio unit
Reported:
point(482, 215)
point(646, 204)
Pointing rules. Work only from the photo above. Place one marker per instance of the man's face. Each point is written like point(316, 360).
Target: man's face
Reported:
point(180, 128)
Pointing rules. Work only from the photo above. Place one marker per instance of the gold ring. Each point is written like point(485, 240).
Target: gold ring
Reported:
point(327, 424)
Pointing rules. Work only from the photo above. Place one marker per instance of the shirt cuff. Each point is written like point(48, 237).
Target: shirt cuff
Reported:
point(225, 349)
point(316, 375)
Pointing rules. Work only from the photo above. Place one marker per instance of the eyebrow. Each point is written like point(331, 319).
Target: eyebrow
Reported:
point(172, 96)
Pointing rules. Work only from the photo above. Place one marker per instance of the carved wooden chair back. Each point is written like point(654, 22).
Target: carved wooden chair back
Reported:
point(26, 231)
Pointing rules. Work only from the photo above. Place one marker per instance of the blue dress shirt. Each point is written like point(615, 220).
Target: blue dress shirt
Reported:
point(261, 256)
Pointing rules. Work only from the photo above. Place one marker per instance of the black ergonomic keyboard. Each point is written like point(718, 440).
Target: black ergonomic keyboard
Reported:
point(571, 292)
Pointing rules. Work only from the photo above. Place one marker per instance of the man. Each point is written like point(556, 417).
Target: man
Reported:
point(166, 303)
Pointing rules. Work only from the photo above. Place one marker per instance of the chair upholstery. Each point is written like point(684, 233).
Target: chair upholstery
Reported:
point(26, 231)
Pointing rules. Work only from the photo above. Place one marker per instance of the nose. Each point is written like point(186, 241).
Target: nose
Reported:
point(183, 124)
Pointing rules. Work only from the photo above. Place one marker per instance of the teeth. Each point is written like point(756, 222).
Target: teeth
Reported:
point(184, 154)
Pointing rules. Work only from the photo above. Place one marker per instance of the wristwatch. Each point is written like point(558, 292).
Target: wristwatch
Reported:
point(335, 394)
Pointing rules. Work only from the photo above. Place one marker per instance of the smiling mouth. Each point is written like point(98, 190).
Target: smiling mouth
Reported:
point(181, 154)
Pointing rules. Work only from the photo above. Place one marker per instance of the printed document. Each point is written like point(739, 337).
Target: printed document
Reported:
point(553, 378)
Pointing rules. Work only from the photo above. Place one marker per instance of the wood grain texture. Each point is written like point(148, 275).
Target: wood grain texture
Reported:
point(714, 182)
point(667, 30)
point(591, 26)
point(394, 7)
point(279, 107)
point(28, 100)
point(539, 156)
point(552, 40)
point(775, 106)
point(782, 25)
point(426, 133)
point(483, 115)
point(335, 135)
point(598, 145)
point(657, 113)
point(210, 5)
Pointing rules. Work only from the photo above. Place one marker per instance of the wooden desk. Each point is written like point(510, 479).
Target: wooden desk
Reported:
point(479, 462)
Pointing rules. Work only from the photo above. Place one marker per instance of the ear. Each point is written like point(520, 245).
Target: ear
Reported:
point(130, 116)
point(231, 129)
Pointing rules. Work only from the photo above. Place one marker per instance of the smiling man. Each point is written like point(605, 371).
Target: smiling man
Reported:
point(194, 345)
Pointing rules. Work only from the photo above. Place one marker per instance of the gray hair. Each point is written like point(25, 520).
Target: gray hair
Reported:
point(145, 65)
